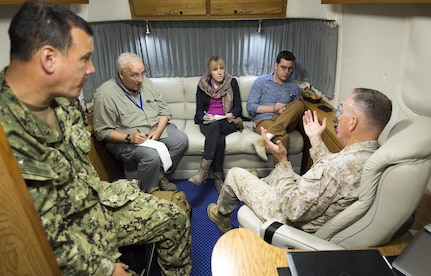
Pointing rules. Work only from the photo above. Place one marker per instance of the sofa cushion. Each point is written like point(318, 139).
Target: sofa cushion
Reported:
point(245, 83)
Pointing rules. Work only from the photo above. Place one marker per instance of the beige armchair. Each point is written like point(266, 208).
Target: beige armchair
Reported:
point(392, 184)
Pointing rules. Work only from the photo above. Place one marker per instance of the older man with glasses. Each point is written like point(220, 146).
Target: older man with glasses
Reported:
point(128, 110)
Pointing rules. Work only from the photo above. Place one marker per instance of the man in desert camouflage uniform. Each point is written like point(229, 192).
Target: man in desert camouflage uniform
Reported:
point(86, 220)
point(331, 184)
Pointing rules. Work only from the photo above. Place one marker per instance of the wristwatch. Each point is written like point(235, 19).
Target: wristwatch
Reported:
point(127, 139)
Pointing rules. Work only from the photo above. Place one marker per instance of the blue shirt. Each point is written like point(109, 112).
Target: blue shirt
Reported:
point(265, 91)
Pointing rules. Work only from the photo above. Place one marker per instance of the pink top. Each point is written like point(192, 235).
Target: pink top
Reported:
point(216, 106)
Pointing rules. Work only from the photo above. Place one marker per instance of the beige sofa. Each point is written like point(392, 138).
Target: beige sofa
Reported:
point(180, 93)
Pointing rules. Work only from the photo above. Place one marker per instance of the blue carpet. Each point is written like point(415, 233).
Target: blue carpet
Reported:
point(204, 232)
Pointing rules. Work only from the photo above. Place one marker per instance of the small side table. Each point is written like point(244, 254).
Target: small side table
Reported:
point(241, 252)
point(329, 136)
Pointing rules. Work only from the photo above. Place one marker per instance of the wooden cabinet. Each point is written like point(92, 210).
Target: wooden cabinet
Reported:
point(19, 2)
point(329, 136)
point(245, 8)
point(167, 8)
point(206, 9)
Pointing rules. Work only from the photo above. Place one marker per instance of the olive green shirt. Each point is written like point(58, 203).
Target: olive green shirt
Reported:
point(117, 108)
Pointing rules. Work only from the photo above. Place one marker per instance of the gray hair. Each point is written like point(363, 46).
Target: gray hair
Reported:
point(375, 106)
point(127, 58)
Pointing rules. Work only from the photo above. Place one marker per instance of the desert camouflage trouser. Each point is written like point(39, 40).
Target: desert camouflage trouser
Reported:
point(258, 194)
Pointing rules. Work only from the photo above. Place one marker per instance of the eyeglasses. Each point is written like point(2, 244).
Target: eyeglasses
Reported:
point(135, 76)
point(285, 68)
point(338, 113)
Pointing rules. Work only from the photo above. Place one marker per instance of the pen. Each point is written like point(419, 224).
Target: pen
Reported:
point(206, 113)
point(138, 130)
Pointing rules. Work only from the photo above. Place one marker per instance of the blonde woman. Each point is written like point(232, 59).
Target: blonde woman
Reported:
point(217, 96)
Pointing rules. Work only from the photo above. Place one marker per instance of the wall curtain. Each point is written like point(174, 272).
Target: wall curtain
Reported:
point(182, 48)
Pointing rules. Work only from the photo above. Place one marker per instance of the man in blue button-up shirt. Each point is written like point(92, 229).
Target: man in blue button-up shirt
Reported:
point(274, 103)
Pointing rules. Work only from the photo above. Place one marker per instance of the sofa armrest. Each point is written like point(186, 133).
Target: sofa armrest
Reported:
point(285, 236)
point(248, 219)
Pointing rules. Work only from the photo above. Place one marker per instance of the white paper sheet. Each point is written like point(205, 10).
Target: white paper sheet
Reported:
point(216, 118)
point(162, 150)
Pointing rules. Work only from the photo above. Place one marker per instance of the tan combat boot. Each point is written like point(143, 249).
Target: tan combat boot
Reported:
point(166, 185)
point(223, 222)
point(202, 174)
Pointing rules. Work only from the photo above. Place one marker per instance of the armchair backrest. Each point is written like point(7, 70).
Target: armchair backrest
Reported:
point(392, 184)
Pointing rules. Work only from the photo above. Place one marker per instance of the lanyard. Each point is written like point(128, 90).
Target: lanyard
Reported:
point(140, 106)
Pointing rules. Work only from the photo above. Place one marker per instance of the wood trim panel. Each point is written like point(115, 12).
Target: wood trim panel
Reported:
point(24, 247)
point(107, 166)
point(375, 1)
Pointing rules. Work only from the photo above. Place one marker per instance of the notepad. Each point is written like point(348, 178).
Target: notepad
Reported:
point(161, 149)
point(216, 118)
point(339, 262)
